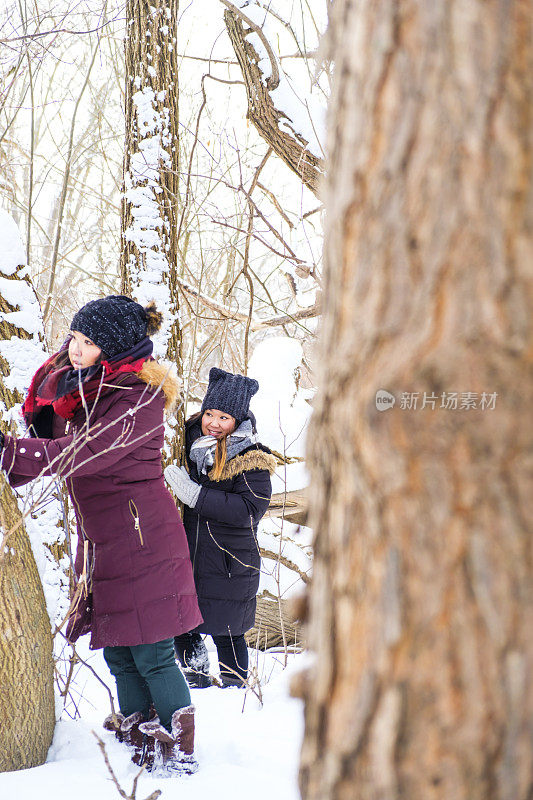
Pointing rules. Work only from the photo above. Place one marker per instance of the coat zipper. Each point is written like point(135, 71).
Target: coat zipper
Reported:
point(196, 542)
point(136, 521)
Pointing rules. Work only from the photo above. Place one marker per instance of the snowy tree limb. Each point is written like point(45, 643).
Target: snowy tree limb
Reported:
point(273, 80)
point(293, 149)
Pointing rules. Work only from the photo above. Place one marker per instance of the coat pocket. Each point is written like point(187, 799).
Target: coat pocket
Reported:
point(136, 521)
point(227, 563)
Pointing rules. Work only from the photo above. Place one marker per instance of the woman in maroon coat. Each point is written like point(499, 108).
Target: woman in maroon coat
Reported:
point(95, 415)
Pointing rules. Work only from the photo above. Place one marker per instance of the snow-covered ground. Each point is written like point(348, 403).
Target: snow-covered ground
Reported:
point(244, 750)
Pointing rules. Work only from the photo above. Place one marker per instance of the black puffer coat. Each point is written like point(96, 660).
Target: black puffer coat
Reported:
point(222, 535)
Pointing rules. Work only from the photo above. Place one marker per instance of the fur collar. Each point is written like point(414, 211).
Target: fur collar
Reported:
point(157, 375)
point(254, 458)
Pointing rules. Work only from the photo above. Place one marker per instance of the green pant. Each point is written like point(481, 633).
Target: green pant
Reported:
point(146, 674)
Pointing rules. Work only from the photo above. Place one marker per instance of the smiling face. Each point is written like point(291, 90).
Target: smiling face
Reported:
point(82, 351)
point(217, 423)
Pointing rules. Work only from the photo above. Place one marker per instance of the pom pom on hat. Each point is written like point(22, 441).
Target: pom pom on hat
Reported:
point(229, 393)
point(154, 318)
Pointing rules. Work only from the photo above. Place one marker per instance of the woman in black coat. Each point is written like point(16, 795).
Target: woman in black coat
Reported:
point(225, 490)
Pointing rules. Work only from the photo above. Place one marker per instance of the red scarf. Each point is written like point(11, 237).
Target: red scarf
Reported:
point(48, 385)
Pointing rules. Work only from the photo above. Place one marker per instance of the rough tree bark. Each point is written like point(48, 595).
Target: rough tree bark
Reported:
point(9, 397)
point(261, 109)
point(150, 227)
point(27, 709)
point(420, 611)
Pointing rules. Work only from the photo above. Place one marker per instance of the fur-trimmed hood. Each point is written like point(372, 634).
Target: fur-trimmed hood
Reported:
point(254, 458)
point(157, 375)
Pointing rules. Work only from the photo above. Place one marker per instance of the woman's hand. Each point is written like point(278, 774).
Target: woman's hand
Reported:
point(182, 485)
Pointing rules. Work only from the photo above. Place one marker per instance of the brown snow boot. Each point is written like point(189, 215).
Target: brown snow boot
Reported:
point(141, 745)
point(126, 730)
point(173, 752)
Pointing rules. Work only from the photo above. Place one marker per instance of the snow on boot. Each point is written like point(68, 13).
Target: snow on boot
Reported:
point(112, 723)
point(173, 752)
point(126, 730)
point(141, 745)
point(196, 666)
point(197, 680)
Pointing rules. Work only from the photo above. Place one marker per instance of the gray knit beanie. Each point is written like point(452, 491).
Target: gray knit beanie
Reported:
point(229, 393)
point(115, 323)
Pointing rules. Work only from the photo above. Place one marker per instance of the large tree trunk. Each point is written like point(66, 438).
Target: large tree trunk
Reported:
point(421, 601)
point(27, 711)
point(27, 706)
point(150, 227)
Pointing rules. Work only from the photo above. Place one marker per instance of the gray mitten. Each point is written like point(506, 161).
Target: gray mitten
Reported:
point(182, 485)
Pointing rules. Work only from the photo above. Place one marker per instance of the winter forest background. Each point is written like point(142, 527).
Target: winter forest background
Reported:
point(177, 151)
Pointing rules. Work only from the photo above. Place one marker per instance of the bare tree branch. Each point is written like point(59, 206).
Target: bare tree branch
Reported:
point(54, 32)
point(257, 324)
point(64, 188)
point(285, 319)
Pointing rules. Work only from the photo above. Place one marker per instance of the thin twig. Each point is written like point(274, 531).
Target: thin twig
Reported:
point(86, 664)
point(155, 794)
point(64, 188)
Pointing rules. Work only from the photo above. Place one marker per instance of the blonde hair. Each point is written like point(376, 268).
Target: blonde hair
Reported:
point(220, 458)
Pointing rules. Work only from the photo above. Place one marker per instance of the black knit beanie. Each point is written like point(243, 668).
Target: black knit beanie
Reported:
point(115, 323)
point(229, 393)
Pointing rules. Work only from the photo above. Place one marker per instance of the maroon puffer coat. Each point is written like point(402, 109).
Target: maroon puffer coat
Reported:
point(139, 565)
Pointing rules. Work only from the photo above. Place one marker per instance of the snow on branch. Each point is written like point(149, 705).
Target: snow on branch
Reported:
point(292, 126)
point(21, 325)
point(147, 226)
point(22, 351)
point(150, 164)
point(272, 82)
